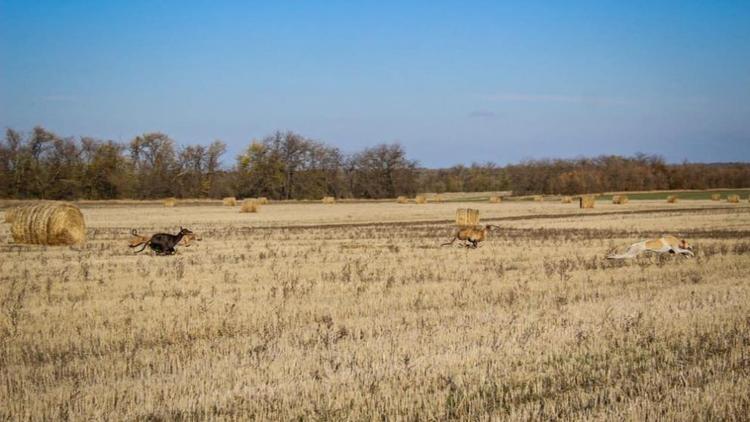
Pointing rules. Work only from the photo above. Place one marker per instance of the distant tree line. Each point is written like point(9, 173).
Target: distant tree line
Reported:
point(286, 165)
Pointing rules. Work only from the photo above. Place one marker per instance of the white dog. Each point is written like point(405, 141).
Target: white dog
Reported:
point(666, 244)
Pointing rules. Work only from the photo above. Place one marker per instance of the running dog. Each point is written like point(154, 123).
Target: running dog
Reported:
point(164, 243)
point(471, 236)
point(666, 244)
point(139, 239)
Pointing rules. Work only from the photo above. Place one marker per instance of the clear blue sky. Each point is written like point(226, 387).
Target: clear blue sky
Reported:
point(454, 82)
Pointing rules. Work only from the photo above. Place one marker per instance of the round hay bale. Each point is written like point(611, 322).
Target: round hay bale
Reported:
point(672, 199)
point(170, 202)
point(716, 197)
point(495, 199)
point(250, 205)
point(538, 198)
point(420, 199)
point(328, 200)
point(49, 223)
point(620, 199)
point(733, 199)
point(438, 198)
point(402, 200)
point(229, 201)
point(263, 200)
point(587, 201)
point(566, 199)
point(10, 214)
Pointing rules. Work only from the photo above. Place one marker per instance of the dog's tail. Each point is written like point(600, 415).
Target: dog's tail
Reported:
point(451, 242)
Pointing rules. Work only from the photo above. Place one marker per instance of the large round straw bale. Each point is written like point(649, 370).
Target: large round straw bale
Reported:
point(328, 200)
point(10, 214)
point(420, 199)
point(402, 200)
point(734, 199)
point(170, 202)
point(495, 199)
point(49, 223)
point(716, 197)
point(229, 201)
point(620, 199)
point(587, 201)
point(263, 200)
point(250, 205)
point(566, 199)
point(672, 199)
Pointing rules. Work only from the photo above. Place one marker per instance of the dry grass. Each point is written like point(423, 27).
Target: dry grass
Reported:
point(420, 199)
point(229, 201)
point(48, 223)
point(292, 319)
point(170, 202)
point(733, 199)
point(620, 199)
point(587, 201)
point(672, 199)
point(250, 206)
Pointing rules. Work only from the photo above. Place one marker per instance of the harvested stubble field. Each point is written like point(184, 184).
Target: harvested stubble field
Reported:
point(352, 311)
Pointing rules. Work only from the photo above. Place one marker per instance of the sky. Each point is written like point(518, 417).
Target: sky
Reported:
point(452, 81)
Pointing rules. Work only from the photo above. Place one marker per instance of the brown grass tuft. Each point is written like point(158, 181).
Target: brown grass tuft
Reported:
point(229, 201)
point(170, 202)
point(672, 199)
point(620, 199)
point(467, 217)
point(420, 199)
point(734, 199)
point(716, 197)
point(250, 205)
point(496, 199)
point(587, 201)
point(49, 223)
point(566, 199)
point(328, 200)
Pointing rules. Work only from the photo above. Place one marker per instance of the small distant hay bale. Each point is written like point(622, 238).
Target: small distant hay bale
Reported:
point(250, 205)
point(672, 199)
point(328, 200)
point(170, 202)
point(402, 200)
point(733, 199)
point(566, 199)
point(49, 223)
point(420, 199)
point(587, 201)
point(10, 214)
point(620, 199)
point(263, 200)
point(495, 199)
point(229, 201)
point(716, 197)
point(438, 198)
point(466, 217)
point(538, 198)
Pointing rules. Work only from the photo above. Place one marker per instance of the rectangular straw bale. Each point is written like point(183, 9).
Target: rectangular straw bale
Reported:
point(587, 201)
point(734, 199)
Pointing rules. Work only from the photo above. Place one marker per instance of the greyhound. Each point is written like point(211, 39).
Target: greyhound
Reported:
point(164, 243)
point(666, 244)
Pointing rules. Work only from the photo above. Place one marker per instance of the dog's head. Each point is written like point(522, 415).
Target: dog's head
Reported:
point(185, 231)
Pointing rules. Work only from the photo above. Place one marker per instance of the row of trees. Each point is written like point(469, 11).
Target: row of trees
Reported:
point(286, 165)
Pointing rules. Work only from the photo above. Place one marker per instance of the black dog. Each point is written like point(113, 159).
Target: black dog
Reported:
point(164, 243)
